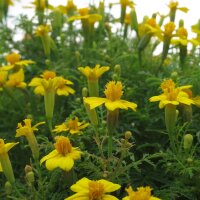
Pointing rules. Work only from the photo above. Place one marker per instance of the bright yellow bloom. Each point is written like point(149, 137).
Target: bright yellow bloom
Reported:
point(83, 11)
point(168, 29)
point(51, 82)
point(127, 19)
point(15, 62)
point(3, 78)
point(16, 79)
point(42, 30)
point(172, 95)
point(28, 131)
point(125, 3)
point(173, 5)
point(93, 190)
point(5, 161)
point(93, 73)
point(113, 99)
point(142, 193)
point(72, 125)
point(90, 18)
point(182, 34)
point(63, 156)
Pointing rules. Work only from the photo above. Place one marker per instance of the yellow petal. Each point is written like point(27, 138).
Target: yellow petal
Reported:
point(94, 102)
point(1, 167)
point(49, 156)
point(80, 185)
point(109, 186)
point(9, 146)
point(109, 197)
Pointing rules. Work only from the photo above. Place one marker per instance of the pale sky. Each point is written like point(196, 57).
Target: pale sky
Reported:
point(143, 7)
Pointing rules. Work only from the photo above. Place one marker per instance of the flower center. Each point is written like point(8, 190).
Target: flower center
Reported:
point(169, 28)
point(167, 84)
point(96, 190)
point(13, 58)
point(83, 11)
point(73, 124)
point(63, 145)
point(49, 75)
point(182, 32)
point(113, 90)
point(142, 193)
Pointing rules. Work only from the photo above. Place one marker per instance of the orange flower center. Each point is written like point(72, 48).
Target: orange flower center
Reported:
point(167, 84)
point(49, 75)
point(83, 11)
point(142, 193)
point(96, 190)
point(151, 22)
point(63, 145)
point(113, 90)
point(73, 124)
point(169, 28)
point(182, 32)
point(13, 58)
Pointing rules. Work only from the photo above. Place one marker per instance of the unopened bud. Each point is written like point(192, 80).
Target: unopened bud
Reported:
point(30, 177)
point(117, 70)
point(84, 92)
point(128, 135)
point(189, 160)
point(187, 141)
point(115, 77)
point(47, 62)
point(8, 188)
point(181, 23)
point(28, 169)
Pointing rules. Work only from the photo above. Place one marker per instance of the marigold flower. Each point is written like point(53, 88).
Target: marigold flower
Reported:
point(5, 161)
point(51, 82)
point(125, 3)
point(90, 190)
point(42, 30)
point(72, 125)
point(182, 33)
point(15, 62)
point(172, 95)
point(93, 75)
point(63, 156)
point(113, 99)
point(28, 131)
point(142, 193)
point(16, 79)
point(173, 5)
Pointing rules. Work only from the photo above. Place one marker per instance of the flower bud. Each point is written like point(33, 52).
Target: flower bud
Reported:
point(117, 70)
point(187, 141)
point(30, 177)
point(128, 135)
point(84, 92)
point(8, 188)
point(189, 160)
point(28, 169)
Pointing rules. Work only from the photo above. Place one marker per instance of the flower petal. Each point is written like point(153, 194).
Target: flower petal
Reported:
point(81, 185)
point(94, 102)
point(109, 186)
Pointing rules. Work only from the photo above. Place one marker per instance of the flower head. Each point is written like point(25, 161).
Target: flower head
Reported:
point(173, 6)
point(50, 82)
point(42, 30)
point(142, 193)
point(71, 125)
point(113, 99)
point(4, 148)
point(63, 156)
point(93, 190)
point(25, 129)
point(168, 29)
point(172, 95)
point(93, 73)
point(15, 62)
point(125, 3)
point(182, 33)
point(16, 79)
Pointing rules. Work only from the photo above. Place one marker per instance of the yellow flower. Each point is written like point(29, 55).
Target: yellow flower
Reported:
point(63, 156)
point(182, 34)
point(172, 95)
point(51, 82)
point(90, 18)
point(16, 79)
point(40, 4)
point(71, 125)
point(28, 131)
point(15, 62)
point(42, 30)
point(5, 161)
point(173, 5)
point(125, 3)
point(92, 190)
point(142, 193)
point(168, 29)
point(93, 73)
point(3, 78)
point(70, 6)
point(1, 170)
point(113, 99)
point(83, 11)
